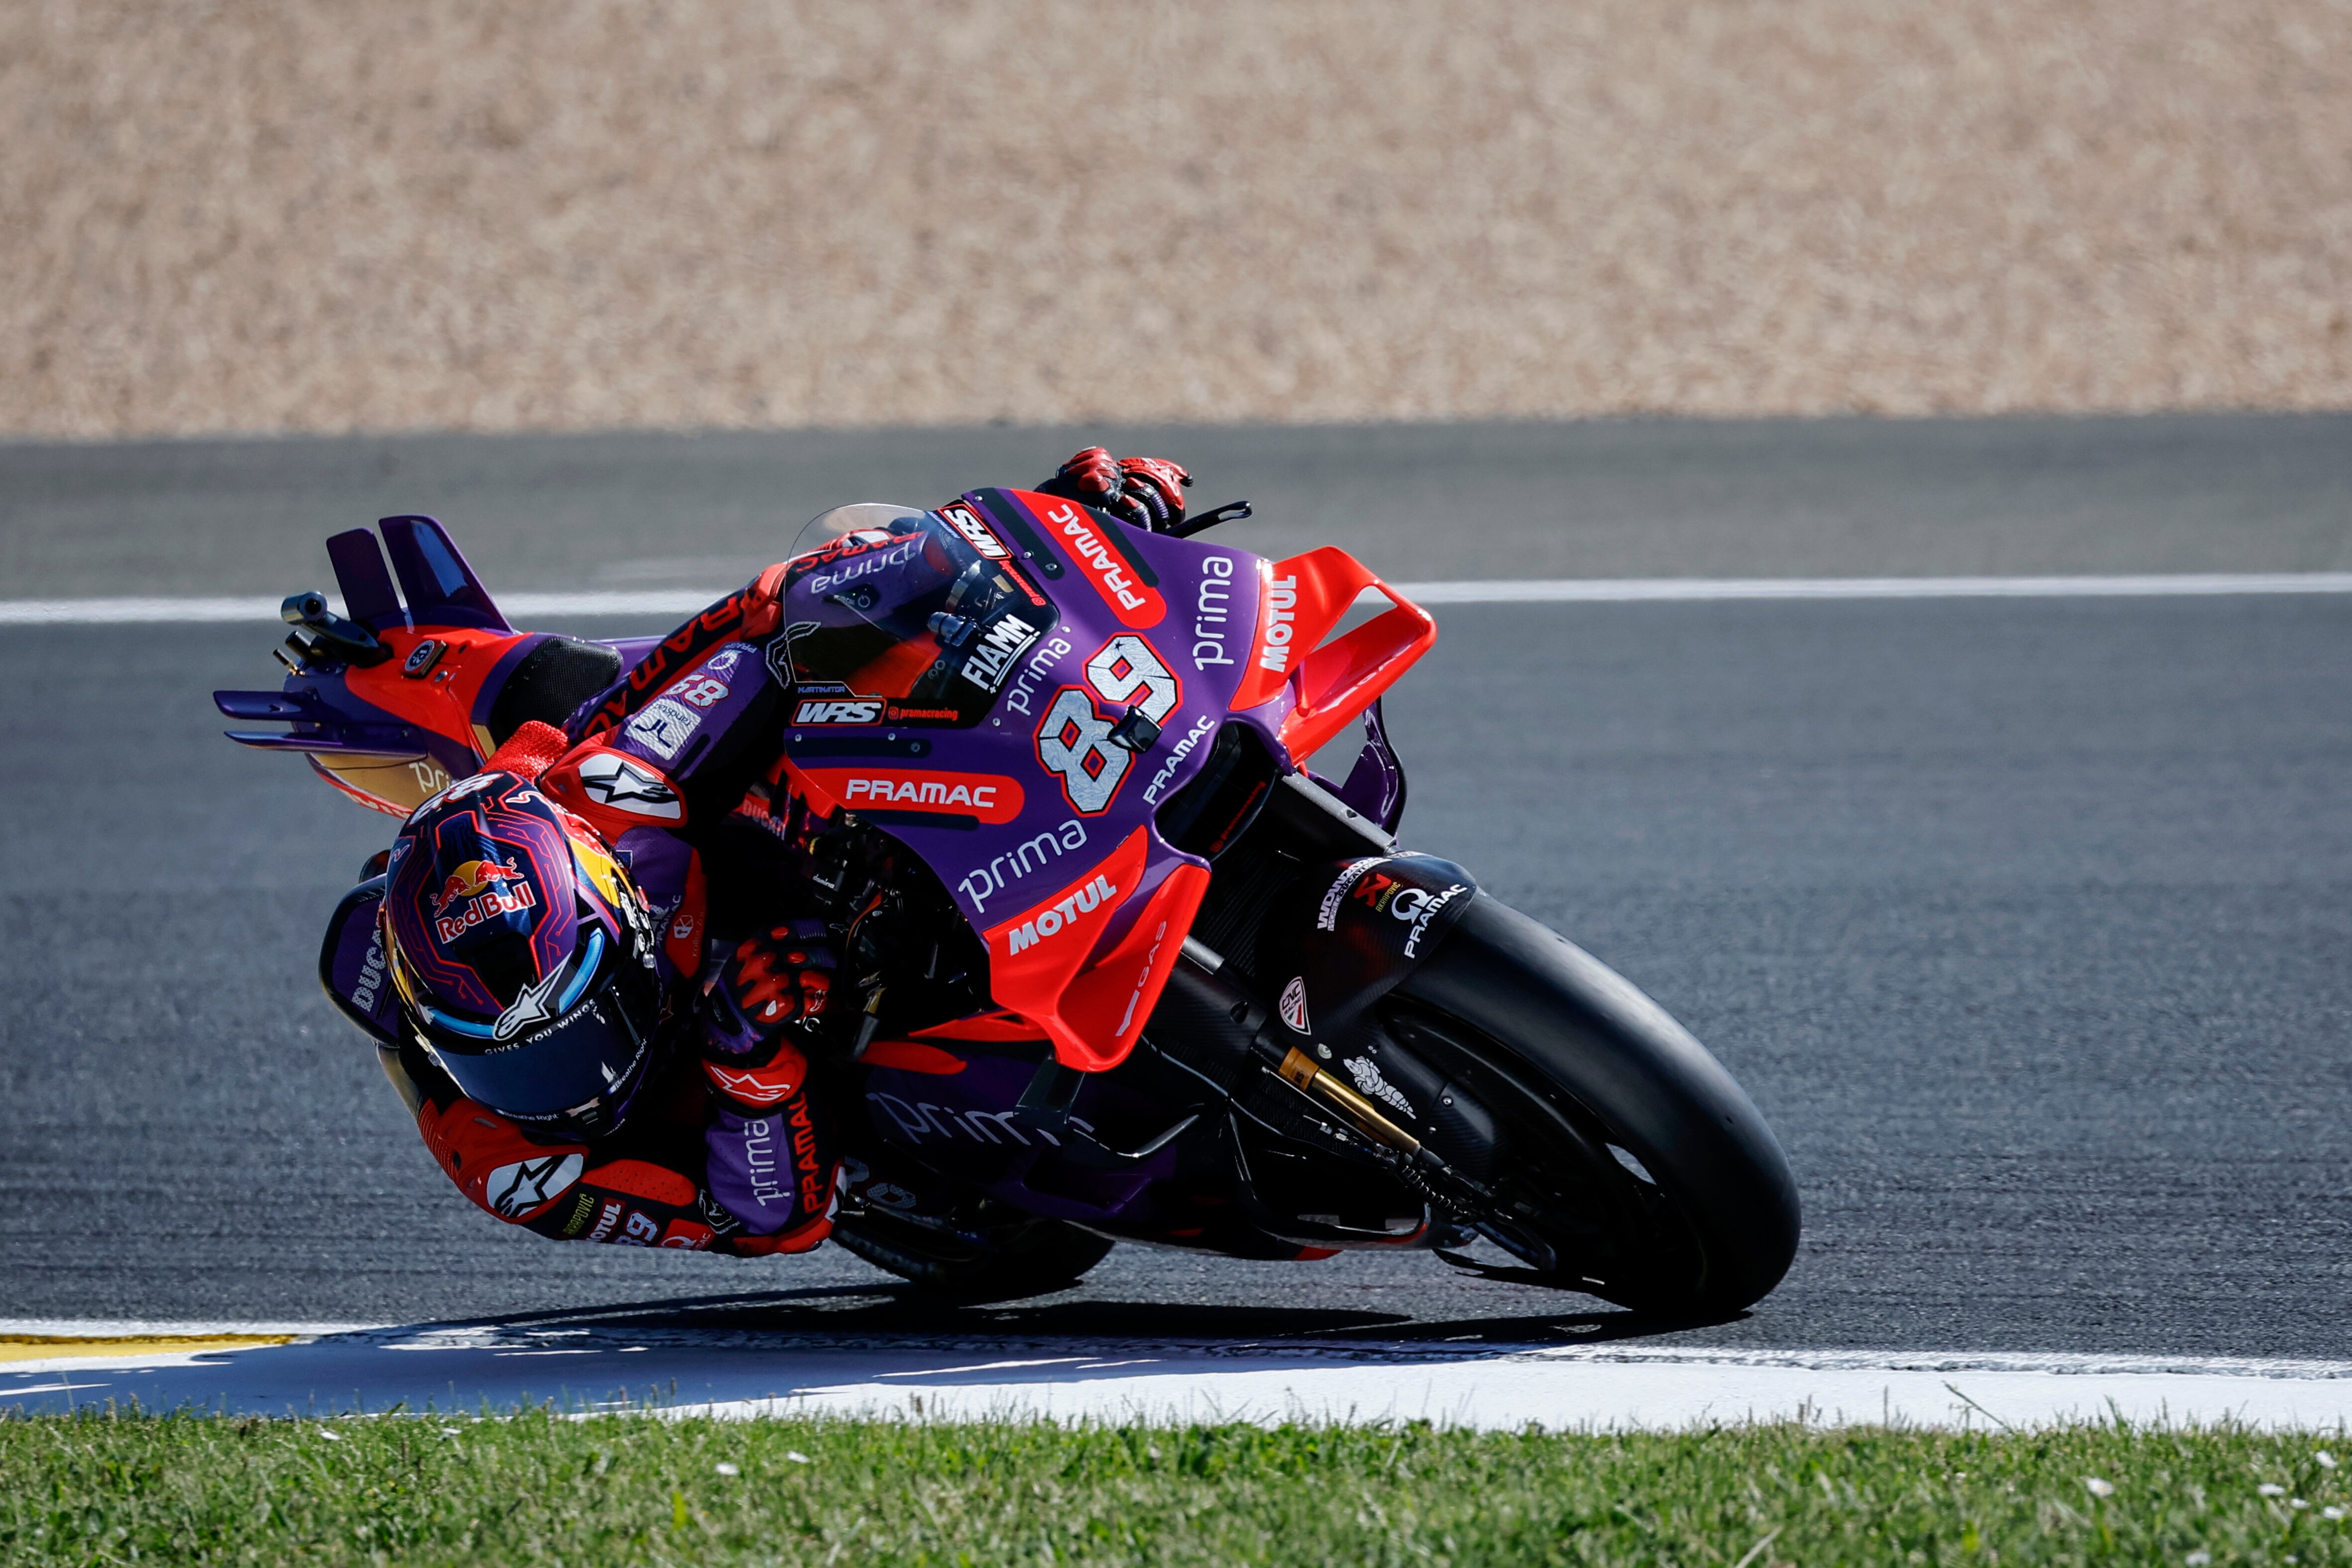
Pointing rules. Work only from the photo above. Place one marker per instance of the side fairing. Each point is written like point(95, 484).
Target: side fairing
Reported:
point(352, 965)
point(1038, 818)
point(1358, 930)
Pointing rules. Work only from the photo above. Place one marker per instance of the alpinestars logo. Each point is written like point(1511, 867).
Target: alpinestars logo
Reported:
point(515, 1190)
point(1050, 922)
point(528, 1007)
point(611, 779)
point(1294, 1004)
point(752, 1086)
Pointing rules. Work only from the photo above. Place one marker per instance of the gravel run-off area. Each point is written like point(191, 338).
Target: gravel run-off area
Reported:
point(254, 217)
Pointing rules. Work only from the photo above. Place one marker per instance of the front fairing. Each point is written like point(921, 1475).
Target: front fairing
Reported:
point(1027, 779)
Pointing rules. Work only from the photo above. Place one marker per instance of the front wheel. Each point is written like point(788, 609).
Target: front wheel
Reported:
point(1636, 1169)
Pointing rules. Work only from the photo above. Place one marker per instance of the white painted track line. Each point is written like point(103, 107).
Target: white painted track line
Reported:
point(1648, 589)
point(522, 608)
point(528, 608)
point(748, 1373)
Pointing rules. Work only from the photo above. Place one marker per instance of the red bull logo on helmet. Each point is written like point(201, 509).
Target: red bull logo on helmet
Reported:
point(472, 877)
point(477, 891)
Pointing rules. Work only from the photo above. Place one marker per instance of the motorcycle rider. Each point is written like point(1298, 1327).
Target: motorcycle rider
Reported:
point(607, 972)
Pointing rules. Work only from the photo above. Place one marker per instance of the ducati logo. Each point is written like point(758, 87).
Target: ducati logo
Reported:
point(1293, 1003)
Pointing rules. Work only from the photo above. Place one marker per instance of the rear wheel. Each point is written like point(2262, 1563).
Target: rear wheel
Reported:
point(1636, 1169)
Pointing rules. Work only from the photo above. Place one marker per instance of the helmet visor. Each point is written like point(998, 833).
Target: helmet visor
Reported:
point(576, 1064)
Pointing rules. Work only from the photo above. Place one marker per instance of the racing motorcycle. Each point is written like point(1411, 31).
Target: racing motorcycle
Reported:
point(1120, 966)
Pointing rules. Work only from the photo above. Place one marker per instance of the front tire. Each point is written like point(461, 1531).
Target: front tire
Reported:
point(1638, 1170)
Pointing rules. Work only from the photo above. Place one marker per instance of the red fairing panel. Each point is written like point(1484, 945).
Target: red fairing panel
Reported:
point(1094, 1012)
point(1300, 601)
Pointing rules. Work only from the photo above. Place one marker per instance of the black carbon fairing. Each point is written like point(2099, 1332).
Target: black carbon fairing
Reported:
point(1350, 934)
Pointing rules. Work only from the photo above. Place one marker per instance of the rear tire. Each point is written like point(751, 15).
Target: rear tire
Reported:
point(1027, 1257)
point(1577, 1063)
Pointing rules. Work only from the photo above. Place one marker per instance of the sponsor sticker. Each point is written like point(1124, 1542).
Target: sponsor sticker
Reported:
point(1212, 602)
point(753, 1085)
point(1119, 580)
point(582, 1207)
point(984, 882)
point(664, 728)
point(1294, 1004)
point(1384, 894)
point(515, 1190)
point(762, 1167)
point(611, 779)
point(1055, 919)
point(1143, 980)
point(977, 534)
point(1276, 625)
point(471, 877)
point(990, 797)
point(529, 1009)
point(1426, 910)
point(371, 980)
point(864, 564)
point(999, 648)
point(1201, 730)
point(1327, 915)
point(838, 710)
point(1373, 1086)
point(1035, 671)
point(480, 890)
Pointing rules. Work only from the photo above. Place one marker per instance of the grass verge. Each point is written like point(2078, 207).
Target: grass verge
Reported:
point(626, 1490)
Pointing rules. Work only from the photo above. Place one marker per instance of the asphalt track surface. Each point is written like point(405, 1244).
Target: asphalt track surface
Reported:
point(2023, 920)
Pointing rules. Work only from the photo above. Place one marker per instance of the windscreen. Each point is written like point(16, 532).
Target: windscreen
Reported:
point(897, 615)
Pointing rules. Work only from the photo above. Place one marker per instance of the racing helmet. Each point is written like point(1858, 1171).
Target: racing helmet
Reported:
point(523, 956)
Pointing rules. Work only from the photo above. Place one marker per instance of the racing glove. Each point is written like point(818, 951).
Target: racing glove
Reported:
point(1148, 492)
point(771, 986)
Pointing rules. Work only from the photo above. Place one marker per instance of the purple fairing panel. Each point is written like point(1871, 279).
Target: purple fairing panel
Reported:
point(685, 720)
point(1374, 788)
point(964, 1125)
point(1144, 622)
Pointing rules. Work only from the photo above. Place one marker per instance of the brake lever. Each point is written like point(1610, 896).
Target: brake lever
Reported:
point(1201, 522)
